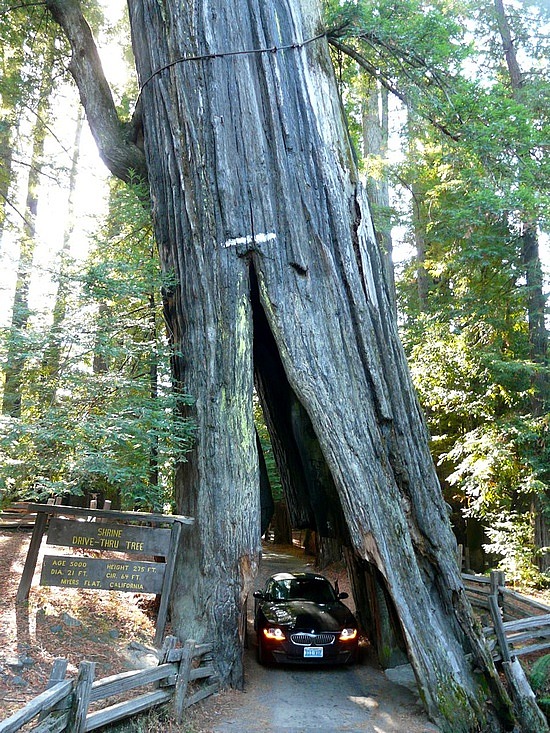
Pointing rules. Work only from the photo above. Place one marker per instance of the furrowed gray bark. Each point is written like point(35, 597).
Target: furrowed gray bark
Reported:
point(250, 177)
point(263, 223)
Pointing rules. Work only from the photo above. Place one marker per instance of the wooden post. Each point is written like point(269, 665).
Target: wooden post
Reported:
point(168, 646)
point(167, 581)
point(58, 672)
point(168, 654)
point(527, 710)
point(498, 580)
point(183, 679)
point(32, 557)
point(499, 628)
point(495, 606)
point(82, 693)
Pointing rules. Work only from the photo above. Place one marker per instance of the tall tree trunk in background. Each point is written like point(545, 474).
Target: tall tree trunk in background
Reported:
point(100, 360)
point(514, 71)
point(17, 357)
point(536, 300)
point(418, 221)
point(153, 391)
point(6, 155)
point(52, 354)
point(260, 217)
point(418, 224)
point(375, 143)
point(534, 283)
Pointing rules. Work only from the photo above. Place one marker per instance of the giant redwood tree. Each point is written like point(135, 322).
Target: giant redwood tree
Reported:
point(278, 283)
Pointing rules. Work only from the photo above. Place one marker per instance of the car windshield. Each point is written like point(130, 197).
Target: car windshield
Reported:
point(315, 590)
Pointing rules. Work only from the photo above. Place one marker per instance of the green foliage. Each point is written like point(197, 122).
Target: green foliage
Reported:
point(97, 439)
point(267, 448)
point(493, 454)
point(539, 675)
point(539, 679)
point(106, 418)
point(472, 178)
point(414, 49)
point(511, 540)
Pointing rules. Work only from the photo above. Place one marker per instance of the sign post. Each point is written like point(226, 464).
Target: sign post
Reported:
point(128, 533)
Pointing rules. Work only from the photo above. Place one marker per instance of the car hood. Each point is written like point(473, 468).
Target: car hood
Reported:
point(303, 615)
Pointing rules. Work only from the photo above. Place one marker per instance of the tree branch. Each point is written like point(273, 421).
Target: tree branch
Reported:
point(115, 141)
point(386, 83)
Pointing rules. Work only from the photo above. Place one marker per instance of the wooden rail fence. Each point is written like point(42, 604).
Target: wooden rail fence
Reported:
point(523, 636)
point(528, 713)
point(525, 622)
point(183, 676)
point(514, 605)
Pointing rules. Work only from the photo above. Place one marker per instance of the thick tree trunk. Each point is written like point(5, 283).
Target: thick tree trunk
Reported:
point(266, 230)
point(250, 178)
point(376, 612)
point(153, 393)
point(280, 524)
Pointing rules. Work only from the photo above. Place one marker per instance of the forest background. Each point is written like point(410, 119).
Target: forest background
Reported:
point(447, 105)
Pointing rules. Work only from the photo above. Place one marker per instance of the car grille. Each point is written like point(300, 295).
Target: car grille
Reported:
point(312, 639)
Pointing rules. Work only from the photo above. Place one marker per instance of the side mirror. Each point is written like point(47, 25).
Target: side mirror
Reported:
point(343, 596)
point(258, 594)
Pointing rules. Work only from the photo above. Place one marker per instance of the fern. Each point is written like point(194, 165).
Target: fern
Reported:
point(539, 675)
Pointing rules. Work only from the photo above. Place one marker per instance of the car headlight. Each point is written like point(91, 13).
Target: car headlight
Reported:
point(274, 633)
point(347, 635)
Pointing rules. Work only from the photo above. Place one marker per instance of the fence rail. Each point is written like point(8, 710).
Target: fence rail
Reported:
point(183, 676)
point(514, 605)
point(523, 636)
point(525, 622)
point(528, 712)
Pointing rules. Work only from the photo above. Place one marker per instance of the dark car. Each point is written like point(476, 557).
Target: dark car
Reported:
point(300, 618)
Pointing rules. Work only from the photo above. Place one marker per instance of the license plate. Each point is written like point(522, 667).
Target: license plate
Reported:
point(313, 651)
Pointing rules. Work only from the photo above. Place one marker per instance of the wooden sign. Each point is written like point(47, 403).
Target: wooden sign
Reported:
point(117, 537)
point(105, 530)
point(97, 574)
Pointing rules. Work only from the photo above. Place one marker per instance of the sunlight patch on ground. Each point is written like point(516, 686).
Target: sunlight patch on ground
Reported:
point(390, 726)
point(276, 556)
point(365, 702)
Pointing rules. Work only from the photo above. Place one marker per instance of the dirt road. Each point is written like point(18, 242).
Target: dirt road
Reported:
point(354, 699)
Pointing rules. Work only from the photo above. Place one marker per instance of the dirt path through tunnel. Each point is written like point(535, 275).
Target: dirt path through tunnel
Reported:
point(354, 699)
